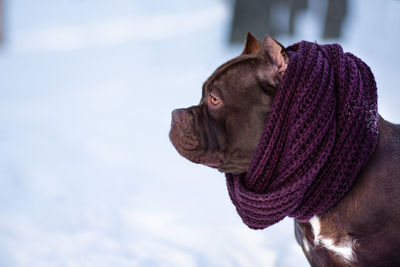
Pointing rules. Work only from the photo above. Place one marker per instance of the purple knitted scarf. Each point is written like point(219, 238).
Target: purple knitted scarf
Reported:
point(322, 128)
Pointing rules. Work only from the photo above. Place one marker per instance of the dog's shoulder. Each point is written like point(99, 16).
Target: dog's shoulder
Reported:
point(367, 219)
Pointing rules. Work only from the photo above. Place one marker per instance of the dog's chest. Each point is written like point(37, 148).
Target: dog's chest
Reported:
point(326, 244)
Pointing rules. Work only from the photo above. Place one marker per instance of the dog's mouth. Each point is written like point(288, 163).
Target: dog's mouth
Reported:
point(182, 134)
point(188, 145)
point(187, 141)
point(213, 164)
point(234, 168)
point(182, 137)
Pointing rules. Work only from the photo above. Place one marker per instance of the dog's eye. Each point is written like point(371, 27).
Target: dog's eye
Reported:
point(213, 100)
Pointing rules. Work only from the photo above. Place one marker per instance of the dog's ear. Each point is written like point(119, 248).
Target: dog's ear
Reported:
point(273, 52)
point(252, 45)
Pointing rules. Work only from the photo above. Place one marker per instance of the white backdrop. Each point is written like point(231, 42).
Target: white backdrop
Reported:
point(88, 176)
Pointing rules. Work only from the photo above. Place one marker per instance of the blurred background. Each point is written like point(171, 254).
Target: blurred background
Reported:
point(88, 176)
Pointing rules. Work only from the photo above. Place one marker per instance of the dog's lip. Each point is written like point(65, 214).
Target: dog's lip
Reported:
point(189, 149)
point(228, 167)
point(213, 164)
point(182, 147)
point(174, 123)
point(175, 136)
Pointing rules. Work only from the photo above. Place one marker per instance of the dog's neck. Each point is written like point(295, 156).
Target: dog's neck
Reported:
point(321, 130)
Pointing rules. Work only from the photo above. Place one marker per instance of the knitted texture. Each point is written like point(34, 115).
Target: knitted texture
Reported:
point(322, 128)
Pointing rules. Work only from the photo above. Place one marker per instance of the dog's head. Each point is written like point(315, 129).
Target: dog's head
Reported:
point(223, 131)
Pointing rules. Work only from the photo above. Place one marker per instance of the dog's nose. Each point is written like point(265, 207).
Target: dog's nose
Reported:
point(178, 115)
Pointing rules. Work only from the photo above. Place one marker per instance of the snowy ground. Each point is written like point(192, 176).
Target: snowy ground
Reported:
point(88, 176)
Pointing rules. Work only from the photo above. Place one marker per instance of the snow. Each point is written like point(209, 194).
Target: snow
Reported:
point(88, 176)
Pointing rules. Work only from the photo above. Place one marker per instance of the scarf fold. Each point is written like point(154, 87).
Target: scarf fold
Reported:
point(322, 128)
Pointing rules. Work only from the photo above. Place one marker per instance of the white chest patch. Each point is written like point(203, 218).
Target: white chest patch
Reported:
point(306, 245)
point(342, 248)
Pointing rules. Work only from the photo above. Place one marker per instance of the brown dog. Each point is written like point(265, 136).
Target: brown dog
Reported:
point(223, 131)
